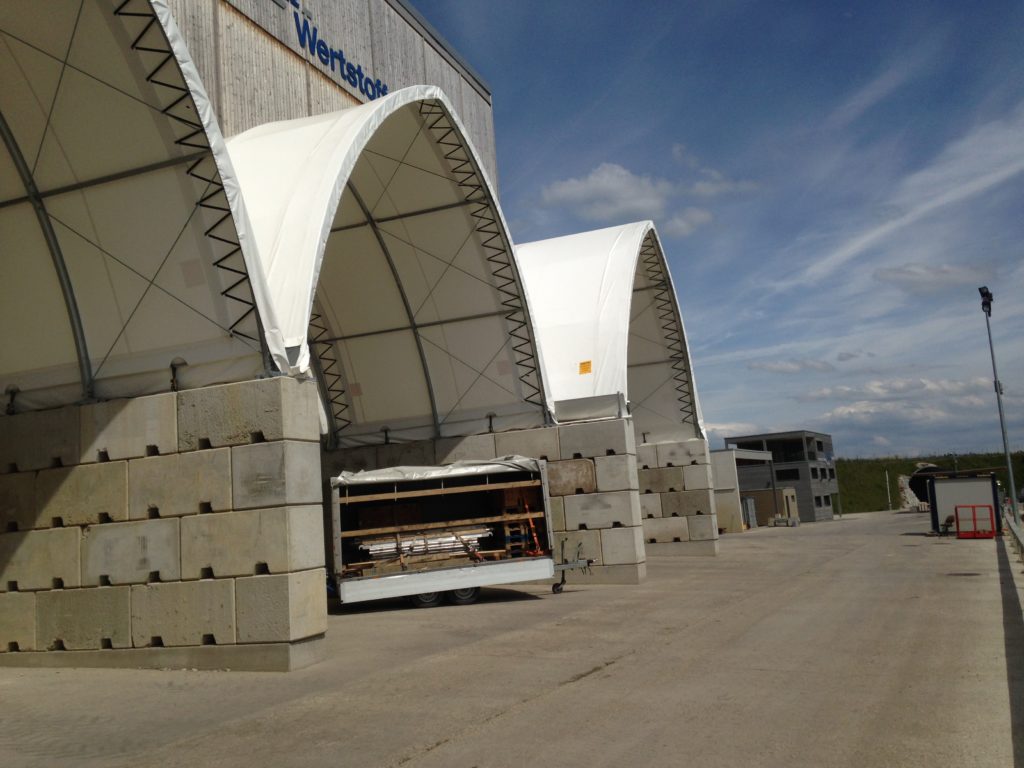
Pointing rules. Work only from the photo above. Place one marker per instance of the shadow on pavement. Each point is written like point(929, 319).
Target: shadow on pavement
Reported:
point(1013, 638)
point(487, 595)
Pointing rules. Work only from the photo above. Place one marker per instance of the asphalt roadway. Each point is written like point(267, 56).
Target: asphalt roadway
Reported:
point(859, 643)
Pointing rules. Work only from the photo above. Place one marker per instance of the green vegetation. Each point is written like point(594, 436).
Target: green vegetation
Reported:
point(862, 481)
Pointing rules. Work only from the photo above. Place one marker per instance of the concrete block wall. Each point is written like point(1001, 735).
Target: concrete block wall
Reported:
point(592, 479)
point(163, 530)
point(677, 498)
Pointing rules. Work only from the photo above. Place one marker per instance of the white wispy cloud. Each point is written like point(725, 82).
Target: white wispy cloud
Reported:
point(982, 160)
point(791, 366)
point(930, 279)
point(901, 388)
point(911, 65)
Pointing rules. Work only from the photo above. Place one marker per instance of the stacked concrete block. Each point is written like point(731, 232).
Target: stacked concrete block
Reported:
point(677, 498)
point(727, 494)
point(132, 530)
point(606, 524)
point(592, 482)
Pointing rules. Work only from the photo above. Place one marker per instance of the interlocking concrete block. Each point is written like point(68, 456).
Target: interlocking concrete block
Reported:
point(420, 453)
point(17, 621)
point(664, 480)
point(82, 495)
point(452, 449)
point(647, 456)
point(566, 478)
point(556, 512)
point(539, 443)
point(128, 428)
point(577, 545)
point(279, 408)
point(84, 619)
point(602, 510)
point(33, 560)
point(728, 511)
point(40, 440)
point(707, 548)
point(609, 574)
point(616, 473)
point(275, 474)
point(184, 613)
point(650, 505)
point(685, 503)
point(697, 477)
point(723, 471)
point(622, 546)
point(281, 609)
point(18, 510)
point(703, 527)
point(596, 438)
point(666, 529)
point(256, 541)
point(683, 453)
point(131, 553)
point(179, 484)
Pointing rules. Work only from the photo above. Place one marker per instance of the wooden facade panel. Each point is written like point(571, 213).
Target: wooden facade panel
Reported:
point(397, 47)
point(197, 23)
point(259, 83)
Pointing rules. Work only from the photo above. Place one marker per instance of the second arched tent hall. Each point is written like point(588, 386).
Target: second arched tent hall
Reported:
point(611, 332)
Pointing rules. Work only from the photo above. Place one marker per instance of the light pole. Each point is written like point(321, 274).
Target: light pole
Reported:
point(986, 307)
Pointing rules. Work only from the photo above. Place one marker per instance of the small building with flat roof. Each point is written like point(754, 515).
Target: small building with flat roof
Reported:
point(802, 460)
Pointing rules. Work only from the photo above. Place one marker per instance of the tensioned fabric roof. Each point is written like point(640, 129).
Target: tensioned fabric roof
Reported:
point(118, 253)
point(390, 270)
point(608, 324)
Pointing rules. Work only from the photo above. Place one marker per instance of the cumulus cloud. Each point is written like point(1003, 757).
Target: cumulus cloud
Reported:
point(611, 192)
point(791, 366)
point(686, 222)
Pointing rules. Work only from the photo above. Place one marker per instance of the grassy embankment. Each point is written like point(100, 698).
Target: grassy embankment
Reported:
point(862, 481)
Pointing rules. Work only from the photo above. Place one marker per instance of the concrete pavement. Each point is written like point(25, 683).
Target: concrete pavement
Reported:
point(860, 642)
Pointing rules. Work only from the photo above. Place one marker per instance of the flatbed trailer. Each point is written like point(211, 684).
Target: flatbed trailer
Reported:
point(432, 532)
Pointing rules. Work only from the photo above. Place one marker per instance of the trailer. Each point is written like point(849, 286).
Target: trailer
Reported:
point(436, 533)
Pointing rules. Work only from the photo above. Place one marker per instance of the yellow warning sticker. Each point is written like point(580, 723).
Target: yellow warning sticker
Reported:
point(585, 367)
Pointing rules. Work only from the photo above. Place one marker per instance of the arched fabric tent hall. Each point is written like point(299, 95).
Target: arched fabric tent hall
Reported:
point(120, 257)
point(390, 270)
point(609, 328)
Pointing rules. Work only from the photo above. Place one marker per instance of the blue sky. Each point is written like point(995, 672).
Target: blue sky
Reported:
point(831, 182)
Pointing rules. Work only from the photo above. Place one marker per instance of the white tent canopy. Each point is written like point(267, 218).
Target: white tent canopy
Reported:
point(609, 326)
point(387, 257)
point(118, 253)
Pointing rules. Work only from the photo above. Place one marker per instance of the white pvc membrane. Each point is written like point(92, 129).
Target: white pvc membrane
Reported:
point(608, 323)
point(390, 270)
point(107, 176)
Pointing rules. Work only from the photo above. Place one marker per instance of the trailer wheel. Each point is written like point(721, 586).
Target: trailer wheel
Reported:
point(426, 599)
point(465, 596)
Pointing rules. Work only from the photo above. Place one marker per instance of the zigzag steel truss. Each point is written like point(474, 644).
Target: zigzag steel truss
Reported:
point(671, 328)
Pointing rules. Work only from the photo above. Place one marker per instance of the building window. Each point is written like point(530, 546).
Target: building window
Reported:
point(787, 474)
point(817, 501)
point(814, 473)
point(828, 501)
point(821, 446)
point(831, 473)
